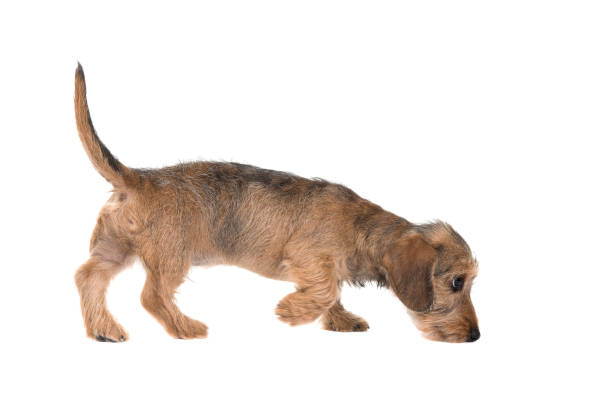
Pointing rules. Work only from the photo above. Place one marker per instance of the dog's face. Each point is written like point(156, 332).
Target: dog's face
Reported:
point(431, 271)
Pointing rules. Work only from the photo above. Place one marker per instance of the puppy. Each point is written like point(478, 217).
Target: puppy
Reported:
point(316, 234)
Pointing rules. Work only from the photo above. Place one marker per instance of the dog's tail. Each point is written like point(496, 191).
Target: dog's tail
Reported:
point(103, 160)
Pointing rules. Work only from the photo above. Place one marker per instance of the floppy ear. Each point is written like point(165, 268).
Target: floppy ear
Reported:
point(409, 265)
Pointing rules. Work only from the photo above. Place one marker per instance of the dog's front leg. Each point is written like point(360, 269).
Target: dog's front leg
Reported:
point(317, 291)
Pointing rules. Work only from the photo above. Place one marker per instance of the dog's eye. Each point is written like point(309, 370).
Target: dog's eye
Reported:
point(457, 283)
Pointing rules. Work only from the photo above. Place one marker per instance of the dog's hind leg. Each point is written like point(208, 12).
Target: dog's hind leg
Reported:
point(108, 257)
point(317, 291)
point(164, 276)
point(338, 319)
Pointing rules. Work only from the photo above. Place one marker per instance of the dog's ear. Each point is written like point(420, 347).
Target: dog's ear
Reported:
point(409, 265)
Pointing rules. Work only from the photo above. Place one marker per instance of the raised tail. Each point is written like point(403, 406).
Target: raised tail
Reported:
point(103, 160)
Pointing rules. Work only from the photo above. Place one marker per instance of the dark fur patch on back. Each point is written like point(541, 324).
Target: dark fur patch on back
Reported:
point(228, 186)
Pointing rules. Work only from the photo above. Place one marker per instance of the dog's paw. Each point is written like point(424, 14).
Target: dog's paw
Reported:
point(350, 323)
point(113, 334)
point(285, 313)
point(190, 329)
point(295, 315)
point(104, 339)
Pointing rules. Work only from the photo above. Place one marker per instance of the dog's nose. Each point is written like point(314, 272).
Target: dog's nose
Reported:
point(474, 335)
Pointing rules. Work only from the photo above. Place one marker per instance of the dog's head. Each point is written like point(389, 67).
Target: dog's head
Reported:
point(431, 271)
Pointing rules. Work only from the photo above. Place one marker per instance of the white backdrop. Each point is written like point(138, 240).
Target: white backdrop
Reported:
point(492, 116)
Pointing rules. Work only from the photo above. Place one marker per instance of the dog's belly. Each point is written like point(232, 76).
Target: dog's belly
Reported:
point(266, 272)
point(270, 274)
point(205, 261)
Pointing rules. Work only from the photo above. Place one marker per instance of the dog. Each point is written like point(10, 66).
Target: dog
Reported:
point(317, 234)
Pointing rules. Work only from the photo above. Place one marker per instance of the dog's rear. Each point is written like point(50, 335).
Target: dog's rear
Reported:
point(311, 232)
point(122, 233)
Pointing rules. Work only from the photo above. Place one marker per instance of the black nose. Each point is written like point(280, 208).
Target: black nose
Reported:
point(474, 335)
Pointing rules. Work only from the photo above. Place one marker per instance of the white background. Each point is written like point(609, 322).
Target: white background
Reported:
point(493, 116)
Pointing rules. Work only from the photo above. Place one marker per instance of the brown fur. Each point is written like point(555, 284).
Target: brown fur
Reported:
point(311, 232)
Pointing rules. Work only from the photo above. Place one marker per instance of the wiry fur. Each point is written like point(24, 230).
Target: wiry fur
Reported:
point(311, 232)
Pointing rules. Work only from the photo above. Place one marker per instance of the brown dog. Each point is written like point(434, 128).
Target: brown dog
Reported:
point(311, 232)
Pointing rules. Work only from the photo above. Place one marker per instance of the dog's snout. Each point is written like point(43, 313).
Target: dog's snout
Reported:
point(474, 335)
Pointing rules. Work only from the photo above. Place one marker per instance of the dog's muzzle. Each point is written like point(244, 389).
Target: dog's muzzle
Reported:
point(474, 335)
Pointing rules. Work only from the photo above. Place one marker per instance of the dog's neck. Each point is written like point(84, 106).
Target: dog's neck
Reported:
point(376, 233)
